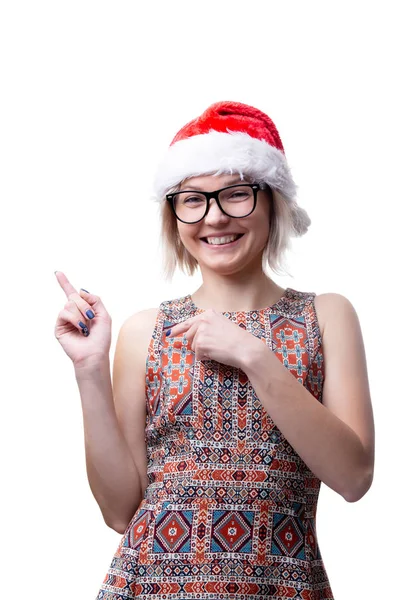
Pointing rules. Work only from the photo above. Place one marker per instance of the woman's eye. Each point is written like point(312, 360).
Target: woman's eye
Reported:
point(239, 195)
point(193, 199)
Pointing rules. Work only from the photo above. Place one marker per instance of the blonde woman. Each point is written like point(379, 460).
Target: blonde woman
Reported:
point(230, 405)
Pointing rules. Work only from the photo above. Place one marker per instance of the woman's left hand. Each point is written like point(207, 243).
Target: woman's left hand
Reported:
point(213, 336)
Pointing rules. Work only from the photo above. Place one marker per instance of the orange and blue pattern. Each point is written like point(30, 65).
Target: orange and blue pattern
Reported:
point(229, 513)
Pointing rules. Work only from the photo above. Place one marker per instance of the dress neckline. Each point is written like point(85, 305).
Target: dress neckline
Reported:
point(246, 312)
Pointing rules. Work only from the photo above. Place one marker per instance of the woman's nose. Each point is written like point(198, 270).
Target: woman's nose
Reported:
point(215, 213)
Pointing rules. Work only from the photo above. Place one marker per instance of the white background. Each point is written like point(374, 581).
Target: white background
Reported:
point(92, 94)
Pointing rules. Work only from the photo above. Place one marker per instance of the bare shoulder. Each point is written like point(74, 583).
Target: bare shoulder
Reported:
point(330, 305)
point(142, 320)
point(138, 328)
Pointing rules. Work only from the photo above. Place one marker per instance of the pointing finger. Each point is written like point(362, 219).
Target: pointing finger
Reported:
point(65, 284)
point(73, 296)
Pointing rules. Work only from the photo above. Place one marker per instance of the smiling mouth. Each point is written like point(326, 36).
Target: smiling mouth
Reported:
point(204, 239)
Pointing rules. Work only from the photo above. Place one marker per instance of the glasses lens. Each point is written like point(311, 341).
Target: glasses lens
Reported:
point(237, 201)
point(190, 206)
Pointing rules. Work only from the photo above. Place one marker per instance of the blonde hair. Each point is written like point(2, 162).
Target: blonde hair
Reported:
point(281, 230)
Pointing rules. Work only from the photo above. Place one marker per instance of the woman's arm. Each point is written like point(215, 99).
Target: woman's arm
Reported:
point(336, 438)
point(112, 474)
point(114, 421)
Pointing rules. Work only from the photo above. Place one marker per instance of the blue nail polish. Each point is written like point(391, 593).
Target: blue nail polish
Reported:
point(168, 332)
point(85, 291)
point(90, 314)
point(85, 330)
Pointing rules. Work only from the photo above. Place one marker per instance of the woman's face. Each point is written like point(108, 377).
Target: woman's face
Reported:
point(232, 258)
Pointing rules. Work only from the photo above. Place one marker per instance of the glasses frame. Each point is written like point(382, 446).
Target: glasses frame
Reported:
point(256, 187)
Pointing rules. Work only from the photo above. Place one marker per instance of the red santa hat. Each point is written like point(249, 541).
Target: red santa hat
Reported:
point(230, 137)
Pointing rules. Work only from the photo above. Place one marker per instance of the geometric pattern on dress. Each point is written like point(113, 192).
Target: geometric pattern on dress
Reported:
point(138, 529)
point(120, 580)
point(288, 536)
point(231, 531)
point(178, 377)
point(229, 511)
point(291, 342)
point(172, 531)
point(311, 540)
point(184, 405)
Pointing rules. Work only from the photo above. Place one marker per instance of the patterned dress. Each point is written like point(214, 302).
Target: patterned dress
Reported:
point(230, 510)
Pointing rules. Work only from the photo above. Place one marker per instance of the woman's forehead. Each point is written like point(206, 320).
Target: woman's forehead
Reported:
point(216, 181)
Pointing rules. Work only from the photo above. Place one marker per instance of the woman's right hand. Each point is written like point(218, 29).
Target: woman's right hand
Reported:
point(86, 348)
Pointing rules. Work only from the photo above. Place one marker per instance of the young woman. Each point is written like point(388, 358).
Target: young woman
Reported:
point(228, 406)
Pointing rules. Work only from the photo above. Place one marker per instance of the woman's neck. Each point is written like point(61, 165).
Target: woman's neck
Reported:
point(229, 295)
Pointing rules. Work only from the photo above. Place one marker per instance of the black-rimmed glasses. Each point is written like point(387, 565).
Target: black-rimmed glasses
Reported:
point(235, 201)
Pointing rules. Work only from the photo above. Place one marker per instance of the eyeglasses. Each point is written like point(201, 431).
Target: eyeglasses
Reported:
point(235, 201)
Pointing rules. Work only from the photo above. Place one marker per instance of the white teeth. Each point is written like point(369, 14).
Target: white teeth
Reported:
point(222, 240)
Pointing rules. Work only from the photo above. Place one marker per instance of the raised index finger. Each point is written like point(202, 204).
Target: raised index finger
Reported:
point(65, 284)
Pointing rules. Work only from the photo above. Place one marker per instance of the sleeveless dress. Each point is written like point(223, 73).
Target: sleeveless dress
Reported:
point(230, 510)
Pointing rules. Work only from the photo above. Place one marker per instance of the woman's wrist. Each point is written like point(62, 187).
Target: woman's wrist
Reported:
point(92, 367)
point(253, 355)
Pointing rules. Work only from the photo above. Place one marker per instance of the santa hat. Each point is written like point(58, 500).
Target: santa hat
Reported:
point(230, 137)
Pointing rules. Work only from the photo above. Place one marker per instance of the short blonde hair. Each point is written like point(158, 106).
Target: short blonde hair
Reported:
point(281, 230)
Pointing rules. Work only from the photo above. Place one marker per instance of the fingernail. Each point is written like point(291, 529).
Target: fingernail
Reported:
point(85, 291)
point(90, 314)
point(85, 330)
point(168, 332)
